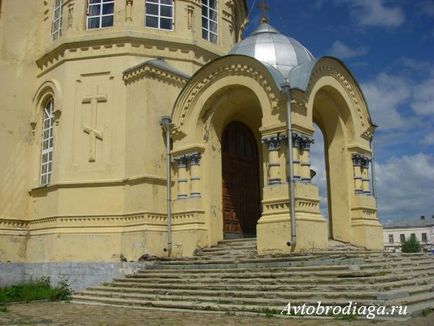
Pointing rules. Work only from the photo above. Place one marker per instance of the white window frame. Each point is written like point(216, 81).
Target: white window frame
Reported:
point(100, 15)
point(391, 240)
point(47, 140)
point(159, 16)
point(208, 20)
point(56, 32)
point(424, 237)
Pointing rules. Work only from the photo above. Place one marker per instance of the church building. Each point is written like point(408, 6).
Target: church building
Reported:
point(152, 127)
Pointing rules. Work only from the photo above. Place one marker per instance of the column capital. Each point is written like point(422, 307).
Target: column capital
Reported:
point(360, 160)
point(301, 141)
point(272, 142)
point(181, 160)
point(194, 158)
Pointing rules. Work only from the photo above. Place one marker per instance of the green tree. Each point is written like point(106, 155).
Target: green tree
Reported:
point(411, 245)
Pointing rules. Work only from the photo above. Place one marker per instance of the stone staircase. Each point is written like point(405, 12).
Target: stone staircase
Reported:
point(231, 277)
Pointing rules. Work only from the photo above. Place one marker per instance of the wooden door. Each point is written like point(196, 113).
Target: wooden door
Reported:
point(241, 192)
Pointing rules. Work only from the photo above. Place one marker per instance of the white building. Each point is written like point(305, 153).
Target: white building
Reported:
point(396, 232)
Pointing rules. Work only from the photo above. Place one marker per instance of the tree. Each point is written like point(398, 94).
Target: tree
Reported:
point(411, 245)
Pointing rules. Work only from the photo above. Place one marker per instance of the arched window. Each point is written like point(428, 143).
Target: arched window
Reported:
point(47, 142)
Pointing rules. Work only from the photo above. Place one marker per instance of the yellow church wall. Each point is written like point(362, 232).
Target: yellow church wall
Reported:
point(17, 75)
point(107, 196)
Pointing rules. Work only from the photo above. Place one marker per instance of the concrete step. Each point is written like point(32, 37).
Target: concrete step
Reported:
point(276, 298)
point(256, 305)
point(232, 277)
point(389, 290)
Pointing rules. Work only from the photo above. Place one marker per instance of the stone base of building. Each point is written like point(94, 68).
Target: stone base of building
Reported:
point(80, 275)
point(274, 233)
point(368, 234)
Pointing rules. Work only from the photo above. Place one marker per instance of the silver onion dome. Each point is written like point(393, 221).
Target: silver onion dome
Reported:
point(269, 46)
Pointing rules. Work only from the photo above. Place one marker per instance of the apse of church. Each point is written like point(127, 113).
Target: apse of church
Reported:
point(83, 172)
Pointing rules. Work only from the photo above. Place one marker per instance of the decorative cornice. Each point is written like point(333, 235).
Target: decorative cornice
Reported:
point(147, 69)
point(98, 183)
point(120, 43)
point(101, 221)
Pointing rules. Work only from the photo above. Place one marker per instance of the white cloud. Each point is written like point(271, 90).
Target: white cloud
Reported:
point(384, 95)
point(426, 7)
point(423, 103)
point(317, 160)
point(343, 51)
point(375, 13)
point(429, 139)
point(405, 186)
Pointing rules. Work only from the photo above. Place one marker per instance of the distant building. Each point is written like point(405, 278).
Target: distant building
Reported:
point(396, 232)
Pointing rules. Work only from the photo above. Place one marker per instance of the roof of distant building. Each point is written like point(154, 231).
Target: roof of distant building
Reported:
point(409, 222)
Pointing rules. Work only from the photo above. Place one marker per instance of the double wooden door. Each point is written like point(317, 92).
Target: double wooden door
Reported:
point(241, 192)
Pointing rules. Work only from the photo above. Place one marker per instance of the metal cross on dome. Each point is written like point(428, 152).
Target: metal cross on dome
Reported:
point(263, 7)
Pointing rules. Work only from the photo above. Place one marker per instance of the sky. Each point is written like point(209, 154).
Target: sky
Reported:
point(389, 47)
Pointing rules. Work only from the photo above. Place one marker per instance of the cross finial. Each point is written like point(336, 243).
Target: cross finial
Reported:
point(264, 7)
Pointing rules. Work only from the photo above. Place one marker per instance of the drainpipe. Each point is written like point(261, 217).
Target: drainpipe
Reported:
point(290, 163)
point(165, 124)
point(374, 184)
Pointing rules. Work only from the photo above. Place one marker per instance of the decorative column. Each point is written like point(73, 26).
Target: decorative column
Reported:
point(296, 156)
point(361, 177)
point(128, 10)
point(182, 176)
point(302, 157)
point(273, 145)
point(365, 176)
point(195, 175)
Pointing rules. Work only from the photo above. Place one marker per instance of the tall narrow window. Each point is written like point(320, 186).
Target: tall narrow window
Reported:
point(159, 14)
point(209, 20)
point(56, 29)
point(47, 142)
point(424, 238)
point(402, 237)
point(391, 238)
point(100, 13)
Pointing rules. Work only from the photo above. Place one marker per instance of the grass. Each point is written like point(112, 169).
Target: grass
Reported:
point(34, 290)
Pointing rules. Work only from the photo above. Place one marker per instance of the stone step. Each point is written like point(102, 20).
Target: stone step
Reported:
point(205, 303)
point(413, 298)
point(279, 275)
point(277, 299)
point(419, 305)
point(238, 267)
point(390, 290)
point(233, 277)
point(272, 283)
point(270, 263)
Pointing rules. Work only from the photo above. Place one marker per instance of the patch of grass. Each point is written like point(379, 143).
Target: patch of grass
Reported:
point(426, 312)
point(346, 317)
point(35, 290)
point(268, 312)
